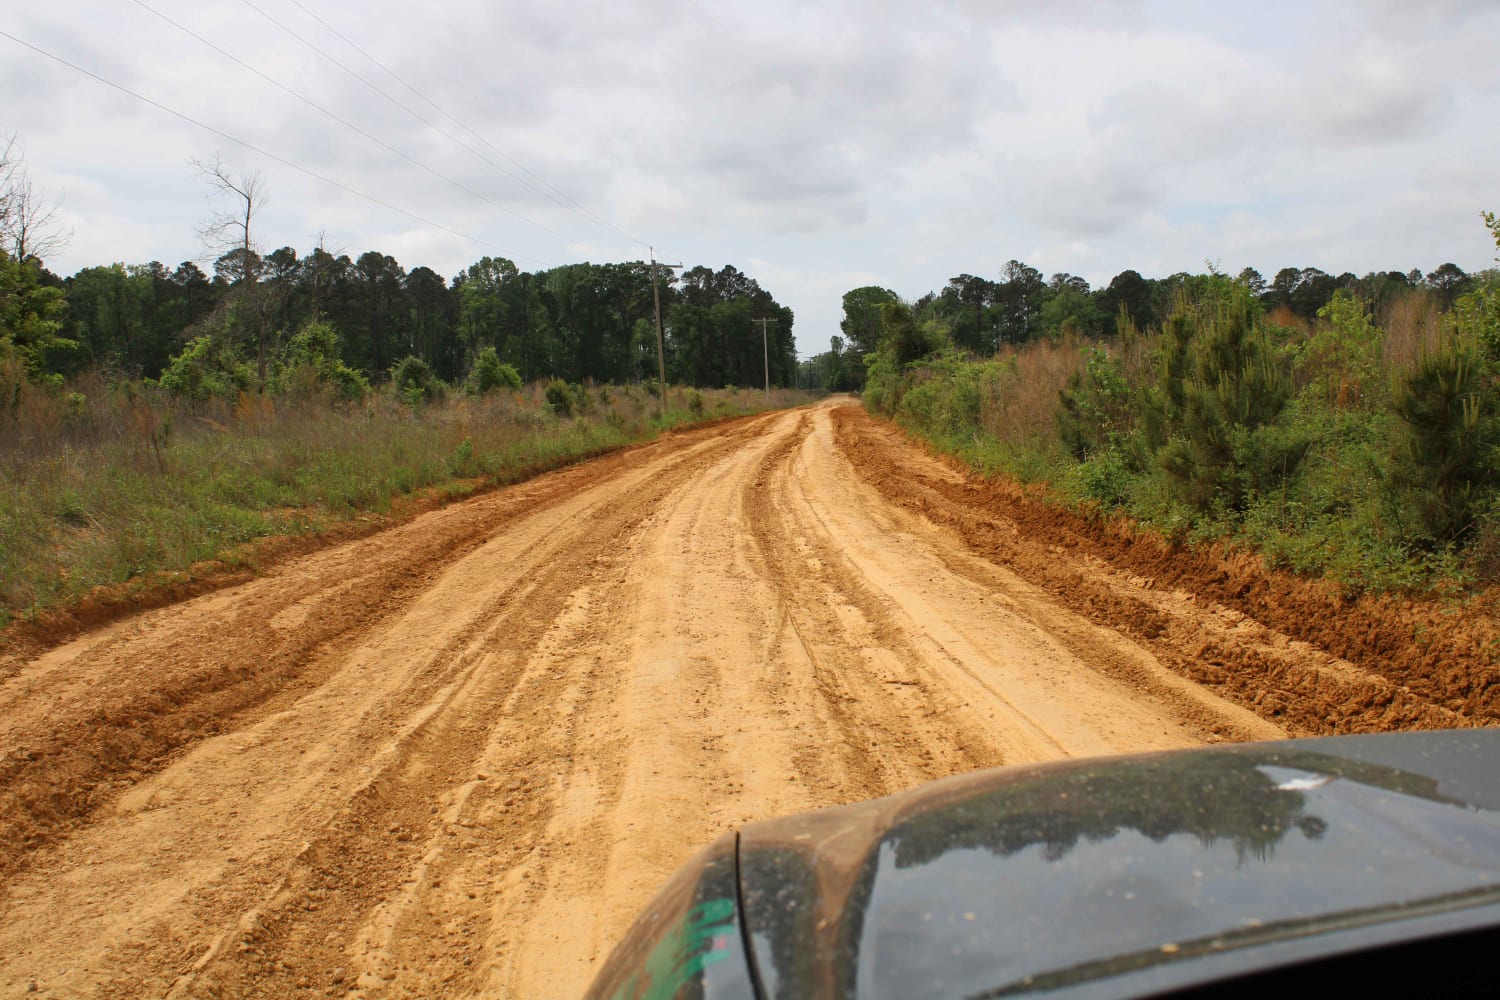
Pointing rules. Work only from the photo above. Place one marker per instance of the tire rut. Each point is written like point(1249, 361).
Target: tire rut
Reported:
point(366, 873)
point(858, 656)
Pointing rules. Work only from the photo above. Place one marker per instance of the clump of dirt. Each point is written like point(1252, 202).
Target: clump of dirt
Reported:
point(1417, 661)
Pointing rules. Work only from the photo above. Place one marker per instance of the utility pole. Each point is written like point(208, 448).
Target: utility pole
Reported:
point(661, 350)
point(766, 351)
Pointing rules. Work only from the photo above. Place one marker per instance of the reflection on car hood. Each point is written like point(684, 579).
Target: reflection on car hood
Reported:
point(1071, 875)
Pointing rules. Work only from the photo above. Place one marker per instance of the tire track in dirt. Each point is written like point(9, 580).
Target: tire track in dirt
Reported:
point(464, 752)
point(366, 898)
point(707, 732)
point(82, 722)
point(970, 627)
point(858, 658)
point(328, 755)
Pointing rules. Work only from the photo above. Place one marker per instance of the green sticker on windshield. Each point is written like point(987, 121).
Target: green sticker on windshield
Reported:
point(695, 942)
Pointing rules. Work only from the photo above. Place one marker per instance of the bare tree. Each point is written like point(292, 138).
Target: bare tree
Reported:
point(35, 229)
point(230, 231)
point(29, 224)
point(10, 171)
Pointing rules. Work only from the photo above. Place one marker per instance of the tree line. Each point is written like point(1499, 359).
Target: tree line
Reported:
point(1360, 440)
point(981, 316)
point(242, 326)
point(575, 322)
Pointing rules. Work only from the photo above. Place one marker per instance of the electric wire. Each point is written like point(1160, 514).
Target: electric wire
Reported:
point(410, 111)
point(570, 202)
point(264, 152)
point(350, 125)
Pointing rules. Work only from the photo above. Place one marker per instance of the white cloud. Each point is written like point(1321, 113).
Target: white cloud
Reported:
point(818, 146)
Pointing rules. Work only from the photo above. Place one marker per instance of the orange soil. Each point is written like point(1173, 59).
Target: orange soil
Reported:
point(454, 757)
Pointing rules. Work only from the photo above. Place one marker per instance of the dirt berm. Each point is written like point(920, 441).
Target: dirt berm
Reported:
point(454, 758)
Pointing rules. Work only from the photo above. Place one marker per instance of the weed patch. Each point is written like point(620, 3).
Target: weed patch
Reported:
point(1363, 451)
point(135, 484)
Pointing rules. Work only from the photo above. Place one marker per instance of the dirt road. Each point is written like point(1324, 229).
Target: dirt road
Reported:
point(454, 758)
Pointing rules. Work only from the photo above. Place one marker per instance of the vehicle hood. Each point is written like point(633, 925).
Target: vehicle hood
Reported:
point(1125, 875)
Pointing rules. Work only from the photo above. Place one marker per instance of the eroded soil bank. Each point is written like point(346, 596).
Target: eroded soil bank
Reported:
point(1421, 662)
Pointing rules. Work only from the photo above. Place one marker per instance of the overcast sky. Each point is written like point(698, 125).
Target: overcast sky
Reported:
point(816, 146)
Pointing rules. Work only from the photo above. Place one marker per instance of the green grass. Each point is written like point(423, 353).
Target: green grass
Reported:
point(1330, 522)
point(99, 504)
point(1337, 517)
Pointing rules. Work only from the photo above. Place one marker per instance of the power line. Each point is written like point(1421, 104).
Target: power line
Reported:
point(454, 118)
point(263, 152)
point(350, 125)
point(415, 114)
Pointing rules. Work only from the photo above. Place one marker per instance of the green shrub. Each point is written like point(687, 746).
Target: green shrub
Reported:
point(313, 359)
point(1223, 448)
point(695, 402)
point(1104, 477)
point(414, 383)
point(882, 381)
point(880, 391)
point(1341, 361)
point(1095, 409)
point(560, 397)
point(75, 408)
point(461, 462)
point(490, 373)
point(208, 368)
point(1476, 317)
point(943, 400)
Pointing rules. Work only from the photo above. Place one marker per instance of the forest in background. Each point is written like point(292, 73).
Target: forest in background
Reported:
point(1342, 426)
point(982, 317)
point(155, 420)
point(262, 320)
point(232, 330)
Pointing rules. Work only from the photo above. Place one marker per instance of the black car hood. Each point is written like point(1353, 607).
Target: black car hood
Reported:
point(1126, 875)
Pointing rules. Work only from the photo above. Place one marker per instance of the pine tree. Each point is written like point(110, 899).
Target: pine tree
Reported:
point(1441, 467)
point(1223, 408)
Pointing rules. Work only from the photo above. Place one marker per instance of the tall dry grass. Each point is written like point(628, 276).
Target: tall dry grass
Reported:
point(1019, 398)
point(1414, 328)
point(101, 482)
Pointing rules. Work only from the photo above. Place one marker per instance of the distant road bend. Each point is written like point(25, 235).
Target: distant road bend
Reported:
point(456, 757)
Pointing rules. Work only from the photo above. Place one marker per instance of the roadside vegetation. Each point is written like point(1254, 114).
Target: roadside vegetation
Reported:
point(152, 418)
point(1358, 439)
point(104, 483)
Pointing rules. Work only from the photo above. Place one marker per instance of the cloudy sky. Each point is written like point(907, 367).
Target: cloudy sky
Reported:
point(816, 146)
